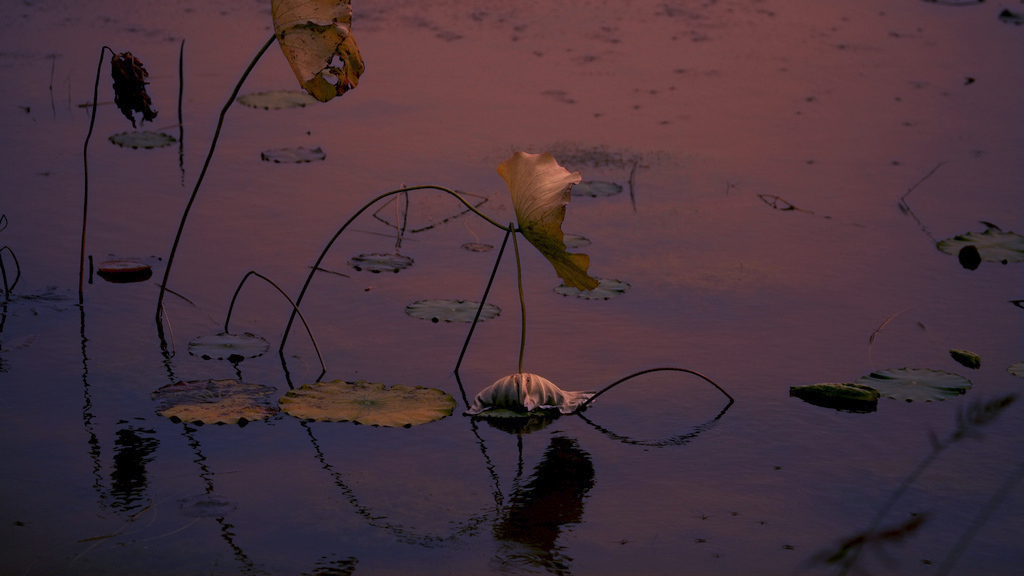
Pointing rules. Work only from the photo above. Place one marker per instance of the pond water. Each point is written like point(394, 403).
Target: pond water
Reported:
point(713, 117)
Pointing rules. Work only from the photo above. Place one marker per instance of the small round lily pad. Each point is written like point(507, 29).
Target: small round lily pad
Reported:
point(1016, 369)
point(206, 506)
point(437, 310)
point(575, 241)
point(605, 290)
point(916, 384)
point(991, 245)
point(143, 139)
point(367, 403)
point(378, 263)
point(477, 247)
point(838, 396)
point(276, 99)
point(596, 189)
point(293, 155)
point(967, 358)
point(124, 271)
point(215, 402)
point(234, 347)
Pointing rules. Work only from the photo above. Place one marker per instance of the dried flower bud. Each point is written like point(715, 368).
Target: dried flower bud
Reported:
point(130, 87)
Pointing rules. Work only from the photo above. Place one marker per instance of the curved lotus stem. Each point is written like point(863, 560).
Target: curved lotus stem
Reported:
point(3, 271)
point(295, 309)
point(642, 372)
point(323, 253)
point(199, 180)
point(85, 161)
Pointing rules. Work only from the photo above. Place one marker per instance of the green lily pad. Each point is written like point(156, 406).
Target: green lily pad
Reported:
point(143, 139)
point(276, 99)
point(215, 402)
point(293, 155)
point(838, 396)
point(968, 359)
point(378, 263)
point(1016, 369)
point(437, 310)
point(596, 189)
point(234, 347)
point(992, 245)
point(605, 290)
point(916, 384)
point(367, 403)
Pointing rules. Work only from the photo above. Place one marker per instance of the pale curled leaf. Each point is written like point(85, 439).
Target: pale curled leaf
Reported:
point(540, 191)
point(312, 34)
point(523, 393)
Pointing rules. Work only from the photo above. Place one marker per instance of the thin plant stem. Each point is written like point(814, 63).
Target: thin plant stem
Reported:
point(3, 270)
point(483, 301)
point(202, 173)
point(295, 308)
point(323, 253)
point(649, 370)
point(181, 121)
point(85, 162)
point(522, 301)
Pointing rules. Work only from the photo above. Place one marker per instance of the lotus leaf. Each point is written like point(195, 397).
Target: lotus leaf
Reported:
point(839, 396)
point(477, 247)
point(276, 99)
point(124, 271)
point(1016, 369)
point(377, 263)
point(968, 359)
point(293, 155)
point(916, 384)
point(215, 402)
point(228, 346)
point(130, 95)
point(143, 139)
point(206, 506)
point(523, 393)
point(368, 403)
point(596, 189)
point(312, 34)
point(992, 245)
point(606, 289)
point(437, 310)
point(540, 191)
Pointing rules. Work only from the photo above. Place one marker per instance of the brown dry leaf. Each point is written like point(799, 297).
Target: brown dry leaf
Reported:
point(130, 95)
point(540, 191)
point(313, 34)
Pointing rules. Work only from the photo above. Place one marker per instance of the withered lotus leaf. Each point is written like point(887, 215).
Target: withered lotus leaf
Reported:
point(312, 34)
point(523, 393)
point(130, 95)
point(540, 191)
point(215, 401)
point(367, 403)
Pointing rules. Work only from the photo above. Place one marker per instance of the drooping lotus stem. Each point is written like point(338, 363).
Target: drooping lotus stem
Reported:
point(642, 372)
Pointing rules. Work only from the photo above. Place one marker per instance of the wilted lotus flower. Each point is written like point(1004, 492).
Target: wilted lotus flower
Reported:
point(311, 34)
point(130, 87)
point(540, 191)
point(524, 392)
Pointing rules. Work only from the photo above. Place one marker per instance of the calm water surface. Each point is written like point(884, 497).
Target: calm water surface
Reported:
point(699, 109)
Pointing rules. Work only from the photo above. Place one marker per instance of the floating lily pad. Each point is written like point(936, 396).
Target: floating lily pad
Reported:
point(838, 396)
point(605, 290)
point(124, 271)
point(1008, 17)
point(293, 155)
point(596, 189)
point(234, 347)
point(992, 245)
point(437, 310)
point(215, 402)
point(206, 506)
point(575, 241)
point(477, 247)
point(276, 99)
point(143, 139)
point(368, 403)
point(968, 359)
point(378, 263)
point(916, 384)
point(521, 395)
point(1016, 369)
